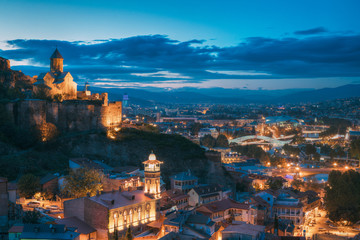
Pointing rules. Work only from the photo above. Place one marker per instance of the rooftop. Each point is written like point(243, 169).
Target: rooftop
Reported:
point(47, 231)
point(56, 54)
point(118, 199)
point(184, 176)
point(74, 222)
point(222, 205)
point(245, 228)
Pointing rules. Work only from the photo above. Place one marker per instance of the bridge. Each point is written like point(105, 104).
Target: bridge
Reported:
point(273, 141)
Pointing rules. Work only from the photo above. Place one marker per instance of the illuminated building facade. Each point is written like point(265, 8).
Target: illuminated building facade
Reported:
point(115, 211)
point(152, 176)
point(57, 81)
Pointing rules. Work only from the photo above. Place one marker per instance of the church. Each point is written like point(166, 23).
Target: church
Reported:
point(56, 81)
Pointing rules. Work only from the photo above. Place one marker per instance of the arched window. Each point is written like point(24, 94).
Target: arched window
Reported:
point(125, 218)
point(130, 216)
point(139, 214)
point(115, 219)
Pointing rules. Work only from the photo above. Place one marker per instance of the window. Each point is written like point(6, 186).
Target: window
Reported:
point(130, 216)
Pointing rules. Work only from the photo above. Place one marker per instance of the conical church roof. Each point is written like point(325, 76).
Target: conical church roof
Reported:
point(56, 54)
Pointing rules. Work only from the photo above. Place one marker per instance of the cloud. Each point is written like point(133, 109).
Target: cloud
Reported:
point(239, 73)
point(153, 59)
point(161, 74)
point(311, 31)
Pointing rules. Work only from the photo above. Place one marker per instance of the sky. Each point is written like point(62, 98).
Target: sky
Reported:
point(275, 44)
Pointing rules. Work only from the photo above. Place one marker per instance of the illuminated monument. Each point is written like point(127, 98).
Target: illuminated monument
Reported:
point(152, 176)
point(57, 82)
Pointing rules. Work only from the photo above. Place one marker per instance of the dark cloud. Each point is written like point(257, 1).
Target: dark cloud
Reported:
point(159, 58)
point(311, 31)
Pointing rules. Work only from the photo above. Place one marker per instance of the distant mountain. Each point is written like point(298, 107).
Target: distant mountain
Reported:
point(319, 95)
point(149, 96)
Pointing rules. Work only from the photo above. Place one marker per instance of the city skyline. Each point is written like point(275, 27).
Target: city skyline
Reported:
point(258, 45)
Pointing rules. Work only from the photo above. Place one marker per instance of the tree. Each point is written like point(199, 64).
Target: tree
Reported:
point(208, 141)
point(222, 141)
point(310, 149)
point(342, 198)
point(83, 181)
point(274, 183)
point(32, 217)
point(298, 140)
point(355, 148)
point(297, 184)
point(128, 235)
point(42, 92)
point(276, 225)
point(195, 128)
point(28, 185)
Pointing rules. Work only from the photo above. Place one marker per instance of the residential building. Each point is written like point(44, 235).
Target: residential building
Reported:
point(48, 231)
point(86, 232)
point(205, 194)
point(227, 210)
point(15, 231)
point(188, 223)
point(174, 199)
point(77, 163)
point(243, 231)
point(287, 204)
point(183, 181)
point(232, 157)
point(4, 201)
point(208, 131)
point(49, 183)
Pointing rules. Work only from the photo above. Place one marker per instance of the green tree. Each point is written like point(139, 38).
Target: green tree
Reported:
point(208, 141)
point(298, 140)
point(32, 217)
point(310, 149)
point(43, 93)
point(297, 184)
point(355, 148)
point(83, 181)
point(342, 198)
point(222, 141)
point(195, 128)
point(274, 183)
point(28, 185)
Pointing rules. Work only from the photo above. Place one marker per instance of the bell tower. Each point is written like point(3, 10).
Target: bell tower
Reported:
point(56, 62)
point(152, 176)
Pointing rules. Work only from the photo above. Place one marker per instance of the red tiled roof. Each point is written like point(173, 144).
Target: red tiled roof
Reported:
point(222, 205)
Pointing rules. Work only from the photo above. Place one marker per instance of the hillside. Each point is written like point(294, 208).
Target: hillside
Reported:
point(131, 147)
point(12, 83)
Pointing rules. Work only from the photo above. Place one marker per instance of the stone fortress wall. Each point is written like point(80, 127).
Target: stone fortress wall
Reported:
point(67, 116)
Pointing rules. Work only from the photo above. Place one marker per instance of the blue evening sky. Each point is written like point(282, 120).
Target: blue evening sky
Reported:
point(234, 44)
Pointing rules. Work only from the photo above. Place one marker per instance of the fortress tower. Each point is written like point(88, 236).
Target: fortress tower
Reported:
point(152, 176)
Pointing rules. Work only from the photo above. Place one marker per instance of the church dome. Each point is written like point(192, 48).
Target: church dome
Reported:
point(152, 156)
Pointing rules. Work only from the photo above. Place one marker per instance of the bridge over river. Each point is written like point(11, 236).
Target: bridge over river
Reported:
point(245, 140)
point(304, 172)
